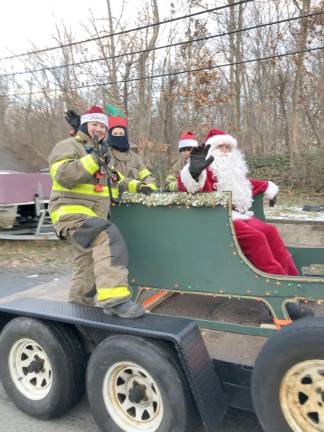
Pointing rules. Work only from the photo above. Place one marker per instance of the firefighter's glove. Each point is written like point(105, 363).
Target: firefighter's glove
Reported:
point(73, 119)
point(145, 189)
point(273, 201)
point(198, 161)
point(114, 176)
point(102, 161)
point(102, 156)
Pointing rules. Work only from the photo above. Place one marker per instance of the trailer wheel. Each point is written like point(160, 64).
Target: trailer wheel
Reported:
point(134, 385)
point(42, 366)
point(288, 379)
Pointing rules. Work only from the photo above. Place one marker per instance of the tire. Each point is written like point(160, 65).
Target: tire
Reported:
point(288, 379)
point(42, 366)
point(142, 374)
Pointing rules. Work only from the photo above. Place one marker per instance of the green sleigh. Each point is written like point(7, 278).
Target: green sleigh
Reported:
point(186, 243)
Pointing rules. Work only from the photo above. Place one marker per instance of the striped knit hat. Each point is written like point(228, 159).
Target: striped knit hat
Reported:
point(95, 114)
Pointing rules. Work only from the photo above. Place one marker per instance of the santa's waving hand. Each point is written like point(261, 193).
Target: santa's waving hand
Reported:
point(198, 161)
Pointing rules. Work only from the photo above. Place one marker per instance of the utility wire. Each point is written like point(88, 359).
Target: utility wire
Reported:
point(104, 84)
point(28, 53)
point(81, 63)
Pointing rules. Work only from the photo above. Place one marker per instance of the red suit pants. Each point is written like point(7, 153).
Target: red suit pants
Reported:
point(262, 245)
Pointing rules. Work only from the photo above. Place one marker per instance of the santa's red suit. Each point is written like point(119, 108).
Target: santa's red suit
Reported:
point(260, 242)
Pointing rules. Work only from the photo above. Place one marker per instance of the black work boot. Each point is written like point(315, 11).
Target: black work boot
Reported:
point(299, 310)
point(126, 308)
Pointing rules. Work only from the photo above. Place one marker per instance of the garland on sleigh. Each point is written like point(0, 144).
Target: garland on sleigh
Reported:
point(176, 199)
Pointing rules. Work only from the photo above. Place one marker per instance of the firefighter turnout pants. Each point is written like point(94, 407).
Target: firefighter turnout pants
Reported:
point(100, 263)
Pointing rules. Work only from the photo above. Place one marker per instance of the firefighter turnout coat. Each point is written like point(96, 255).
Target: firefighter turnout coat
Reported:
point(171, 182)
point(131, 172)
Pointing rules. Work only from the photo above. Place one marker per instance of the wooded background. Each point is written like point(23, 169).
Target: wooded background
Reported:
point(273, 106)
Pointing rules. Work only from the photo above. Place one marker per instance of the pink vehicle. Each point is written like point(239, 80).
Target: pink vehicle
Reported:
point(23, 205)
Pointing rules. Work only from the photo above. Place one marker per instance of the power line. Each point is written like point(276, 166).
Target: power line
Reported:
point(51, 68)
point(104, 84)
point(124, 31)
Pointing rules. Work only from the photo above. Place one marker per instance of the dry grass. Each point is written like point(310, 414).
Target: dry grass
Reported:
point(41, 254)
point(299, 199)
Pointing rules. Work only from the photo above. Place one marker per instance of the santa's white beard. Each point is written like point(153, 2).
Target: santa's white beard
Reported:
point(231, 170)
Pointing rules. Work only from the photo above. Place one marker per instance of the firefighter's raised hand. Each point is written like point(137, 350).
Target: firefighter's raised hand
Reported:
point(73, 119)
point(198, 161)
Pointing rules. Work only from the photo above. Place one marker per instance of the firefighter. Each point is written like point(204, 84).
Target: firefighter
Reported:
point(79, 208)
point(187, 141)
point(132, 174)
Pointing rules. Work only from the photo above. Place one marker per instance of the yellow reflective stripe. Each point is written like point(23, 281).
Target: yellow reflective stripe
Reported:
point(115, 192)
point(121, 177)
point(85, 189)
point(171, 178)
point(89, 164)
point(144, 173)
point(133, 185)
point(152, 186)
point(172, 186)
point(112, 293)
point(55, 166)
point(71, 209)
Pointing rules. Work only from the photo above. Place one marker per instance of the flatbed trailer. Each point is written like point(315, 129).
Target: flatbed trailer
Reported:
point(161, 373)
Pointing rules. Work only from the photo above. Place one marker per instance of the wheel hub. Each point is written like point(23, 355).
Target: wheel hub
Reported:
point(36, 365)
point(137, 391)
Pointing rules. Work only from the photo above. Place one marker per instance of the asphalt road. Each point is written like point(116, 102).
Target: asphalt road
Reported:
point(79, 419)
point(15, 280)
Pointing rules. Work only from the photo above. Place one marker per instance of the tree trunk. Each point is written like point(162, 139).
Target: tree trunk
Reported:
point(144, 85)
point(301, 44)
point(113, 68)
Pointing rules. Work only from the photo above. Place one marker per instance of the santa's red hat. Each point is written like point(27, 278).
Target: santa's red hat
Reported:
point(217, 137)
point(95, 114)
point(188, 139)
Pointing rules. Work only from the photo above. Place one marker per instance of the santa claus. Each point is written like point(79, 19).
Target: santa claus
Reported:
point(219, 165)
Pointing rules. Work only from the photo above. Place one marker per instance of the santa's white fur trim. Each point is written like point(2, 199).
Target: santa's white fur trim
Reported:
point(218, 140)
point(187, 143)
point(191, 184)
point(95, 117)
point(242, 216)
point(230, 170)
point(271, 191)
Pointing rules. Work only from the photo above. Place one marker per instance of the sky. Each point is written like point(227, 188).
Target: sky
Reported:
point(26, 21)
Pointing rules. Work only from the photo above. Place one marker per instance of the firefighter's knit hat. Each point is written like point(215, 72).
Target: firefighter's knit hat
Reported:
point(188, 139)
point(115, 117)
point(95, 114)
